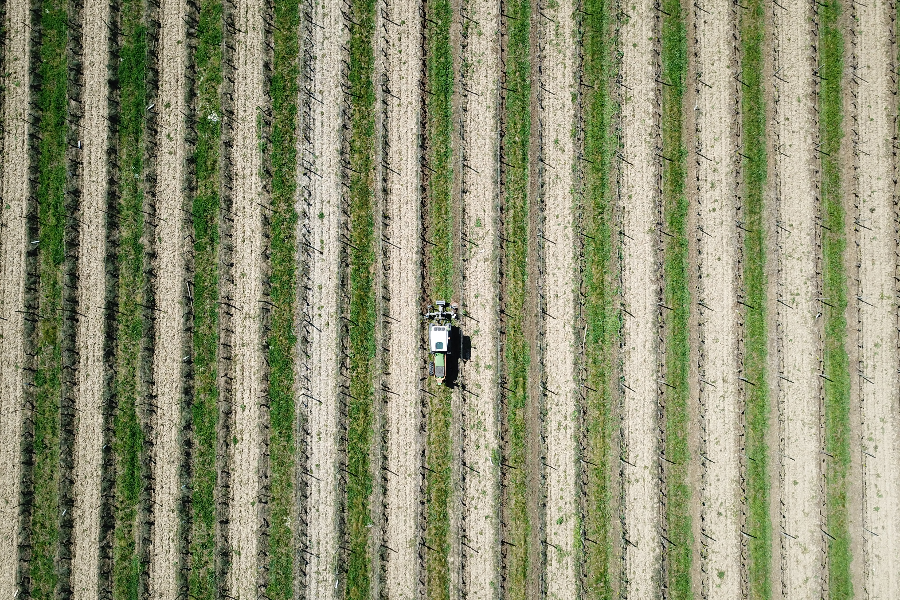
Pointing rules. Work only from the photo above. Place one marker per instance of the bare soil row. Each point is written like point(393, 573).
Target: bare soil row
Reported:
point(480, 196)
point(561, 283)
point(639, 204)
point(14, 243)
point(323, 308)
point(173, 246)
point(247, 503)
point(93, 143)
point(797, 310)
point(716, 114)
point(399, 58)
point(877, 306)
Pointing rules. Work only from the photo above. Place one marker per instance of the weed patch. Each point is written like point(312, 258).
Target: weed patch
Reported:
point(601, 313)
point(677, 295)
point(128, 438)
point(515, 361)
point(756, 416)
point(439, 107)
point(208, 60)
point(50, 195)
point(282, 339)
point(362, 301)
point(837, 365)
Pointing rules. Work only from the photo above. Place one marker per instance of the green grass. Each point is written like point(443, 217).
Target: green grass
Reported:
point(51, 190)
point(755, 335)
point(128, 440)
point(837, 366)
point(601, 314)
point(282, 339)
point(362, 301)
point(678, 297)
point(440, 127)
point(202, 584)
point(440, 285)
point(756, 415)
point(438, 494)
point(515, 281)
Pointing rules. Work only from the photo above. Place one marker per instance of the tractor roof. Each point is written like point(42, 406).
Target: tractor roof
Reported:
point(439, 338)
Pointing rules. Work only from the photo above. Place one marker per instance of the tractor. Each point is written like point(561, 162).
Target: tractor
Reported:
point(441, 319)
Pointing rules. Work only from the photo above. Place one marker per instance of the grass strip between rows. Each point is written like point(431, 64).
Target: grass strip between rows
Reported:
point(208, 60)
point(676, 264)
point(837, 365)
point(756, 413)
point(602, 318)
point(362, 301)
point(50, 194)
point(128, 438)
point(282, 337)
point(516, 135)
point(440, 261)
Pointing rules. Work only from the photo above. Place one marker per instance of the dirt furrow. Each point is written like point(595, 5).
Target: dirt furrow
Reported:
point(481, 299)
point(173, 245)
point(323, 307)
point(14, 243)
point(718, 248)
point(639, 205)
point(877, 235)
point(401, 53)
point(561, 283)
point(248, 272)
point(798, 325)
point(90, 331)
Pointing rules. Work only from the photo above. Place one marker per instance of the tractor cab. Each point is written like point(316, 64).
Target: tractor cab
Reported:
point(440, 329)
point(439, 337)
point(439, 342)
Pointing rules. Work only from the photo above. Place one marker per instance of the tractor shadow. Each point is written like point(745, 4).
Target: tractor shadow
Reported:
point(460, 349)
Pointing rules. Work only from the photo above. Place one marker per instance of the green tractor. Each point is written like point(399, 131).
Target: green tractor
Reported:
point(441, 319)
